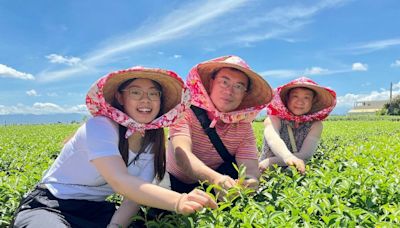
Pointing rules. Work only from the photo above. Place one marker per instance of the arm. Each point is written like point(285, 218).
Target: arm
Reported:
point(124, 213)
point(184, 157)
point(271, 133)
point(307, 149)
point(278, 147)
point(116, 174)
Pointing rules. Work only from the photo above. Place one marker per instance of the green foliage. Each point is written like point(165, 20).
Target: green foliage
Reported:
point(352, 181)
point(392, 109)
point(25, 153)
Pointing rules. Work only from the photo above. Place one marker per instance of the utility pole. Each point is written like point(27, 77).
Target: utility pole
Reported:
point(390, 109)
point(391, 87)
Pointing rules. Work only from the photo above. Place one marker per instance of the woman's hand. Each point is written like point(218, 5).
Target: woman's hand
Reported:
point(250, 182)
point(194, 201)
point(296, 162)
point(263, 165)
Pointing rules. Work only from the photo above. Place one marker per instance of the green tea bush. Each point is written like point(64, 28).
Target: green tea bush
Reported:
point(352, 181)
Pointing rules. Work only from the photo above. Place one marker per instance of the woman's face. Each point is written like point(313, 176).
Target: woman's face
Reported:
point(141, 100)
point(300, 101)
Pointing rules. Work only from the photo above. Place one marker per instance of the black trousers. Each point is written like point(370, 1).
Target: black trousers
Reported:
point(179, 186)
point(41, 209)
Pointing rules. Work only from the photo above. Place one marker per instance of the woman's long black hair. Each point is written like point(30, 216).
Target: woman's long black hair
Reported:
point(156, 137)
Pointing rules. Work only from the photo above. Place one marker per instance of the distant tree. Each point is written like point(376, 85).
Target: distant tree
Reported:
point(392, 109)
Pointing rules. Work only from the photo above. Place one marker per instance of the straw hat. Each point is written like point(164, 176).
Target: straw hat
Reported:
point(170, 82)
point(259, 93)
point(323, 99)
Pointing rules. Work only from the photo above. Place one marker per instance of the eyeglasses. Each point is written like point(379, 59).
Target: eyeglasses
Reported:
point(225, 84)
point(137, 94)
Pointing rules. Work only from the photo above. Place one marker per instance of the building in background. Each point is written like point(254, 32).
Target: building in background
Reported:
point(367, 107)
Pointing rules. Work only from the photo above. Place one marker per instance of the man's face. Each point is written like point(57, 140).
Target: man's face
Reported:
point(228, 88)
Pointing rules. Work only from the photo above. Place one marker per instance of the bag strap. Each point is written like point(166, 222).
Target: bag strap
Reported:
point(205, 122)
point(291, 137)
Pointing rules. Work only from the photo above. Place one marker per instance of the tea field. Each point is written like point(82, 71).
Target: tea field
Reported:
point(352, 181)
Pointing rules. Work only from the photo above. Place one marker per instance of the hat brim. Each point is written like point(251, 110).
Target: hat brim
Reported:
point(322, 100)
point(171, 87)
point(259, 93)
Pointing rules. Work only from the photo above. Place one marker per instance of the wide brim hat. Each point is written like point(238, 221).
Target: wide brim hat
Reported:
point(324, 97)
point(170, 82)
point(259, 93)
point(175, 97)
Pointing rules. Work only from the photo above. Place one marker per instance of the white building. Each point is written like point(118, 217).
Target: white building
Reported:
point(367, 107)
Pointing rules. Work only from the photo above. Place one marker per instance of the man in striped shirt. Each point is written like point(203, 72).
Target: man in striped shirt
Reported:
point(232, 95)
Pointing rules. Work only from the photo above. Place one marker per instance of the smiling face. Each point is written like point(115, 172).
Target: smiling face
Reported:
point(141, 100)
point(228, 88)
point(300, 100)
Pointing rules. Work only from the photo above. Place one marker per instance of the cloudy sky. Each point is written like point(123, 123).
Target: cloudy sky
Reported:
point(52, 51)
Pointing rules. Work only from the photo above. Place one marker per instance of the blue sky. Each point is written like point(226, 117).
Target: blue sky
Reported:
point(52, 51)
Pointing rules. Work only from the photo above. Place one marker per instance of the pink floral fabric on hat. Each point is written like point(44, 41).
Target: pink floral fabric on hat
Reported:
point(97, 105)
point(201, 99)
point(279, 109)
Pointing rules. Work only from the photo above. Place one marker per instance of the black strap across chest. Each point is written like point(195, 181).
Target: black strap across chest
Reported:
point(205, 122)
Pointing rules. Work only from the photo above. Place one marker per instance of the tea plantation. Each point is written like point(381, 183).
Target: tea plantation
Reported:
point(352, 181)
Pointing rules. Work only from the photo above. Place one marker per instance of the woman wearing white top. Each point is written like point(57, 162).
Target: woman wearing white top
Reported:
point(121, 149)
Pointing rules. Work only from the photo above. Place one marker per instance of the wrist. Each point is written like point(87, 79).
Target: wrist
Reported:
point(178, 202)
point(288, 158)
point(114, 225)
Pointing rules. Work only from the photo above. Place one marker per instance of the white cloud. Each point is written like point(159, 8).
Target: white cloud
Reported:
point(31, 93)
point(8, 72)
point(359, 67)
point(176, 24)
point(396, 86)
point(374, 46)
point(71, 61)
point(50, 107)
point(281, 21)
point(42, 108)
point(287, 73)
point(316, 70)
point(177, 56)
point(396, 63)
point(349, 99)
point(78, 109)
point(279, 73)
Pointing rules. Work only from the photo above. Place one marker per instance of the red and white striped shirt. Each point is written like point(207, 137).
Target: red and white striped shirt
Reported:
point(238, 138)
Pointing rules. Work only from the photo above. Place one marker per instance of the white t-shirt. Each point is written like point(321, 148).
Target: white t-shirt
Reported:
point(73, 176)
